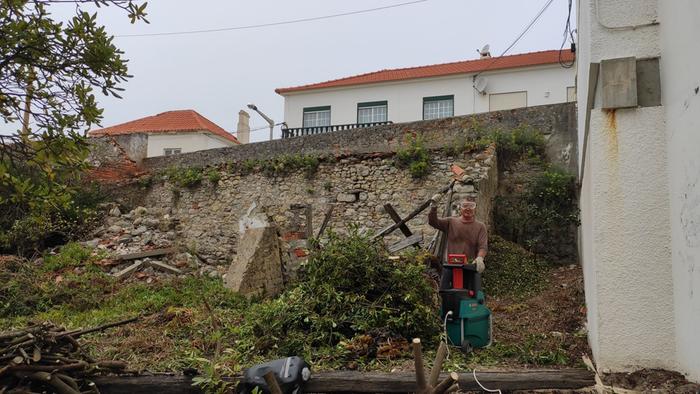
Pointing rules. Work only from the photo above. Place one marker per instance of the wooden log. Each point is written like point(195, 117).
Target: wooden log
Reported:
point(368, 382)
point(404, 243)
point(437, 364)
point(159, 265)
point(397, 219)
point(421, 383)
point(146, 253)
point(272, 384)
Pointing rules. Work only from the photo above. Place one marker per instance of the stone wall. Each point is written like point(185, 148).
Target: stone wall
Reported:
point(557, 122)
point(207, 216)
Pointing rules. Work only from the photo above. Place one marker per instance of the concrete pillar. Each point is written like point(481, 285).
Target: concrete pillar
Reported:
point(243, 128)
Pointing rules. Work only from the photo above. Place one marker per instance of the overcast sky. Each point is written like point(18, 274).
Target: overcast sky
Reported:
point(218, 73)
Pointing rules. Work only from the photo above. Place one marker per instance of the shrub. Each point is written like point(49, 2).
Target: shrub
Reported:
point(185, 177)
point(414, 157)
point(543, 215)
point(214, 176)
point(512, 145)
point(349, 288)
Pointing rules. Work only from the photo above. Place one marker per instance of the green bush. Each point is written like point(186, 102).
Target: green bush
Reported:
point(214, 176)
point(415, 157)
point(349, 288)
point(543, 215)
point(514, 144)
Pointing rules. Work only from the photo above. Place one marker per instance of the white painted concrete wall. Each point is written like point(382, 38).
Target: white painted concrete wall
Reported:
point(544, 84)
point(188, 142)
point(626, 229)
point(680, 81)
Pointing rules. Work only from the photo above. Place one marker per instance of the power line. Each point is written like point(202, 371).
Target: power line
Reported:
point(521, 35)
point(289, 22)
point(568, 33)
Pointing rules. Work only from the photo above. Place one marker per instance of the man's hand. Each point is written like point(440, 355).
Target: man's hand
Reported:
point(434, 200)
point(479, 261)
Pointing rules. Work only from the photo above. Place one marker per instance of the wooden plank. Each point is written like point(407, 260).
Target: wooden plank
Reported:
point(146, 253)
point(326, 219)
point(128, 270)
point(411, 215)
point(396, 218)
point(406, 242)
point(368, 382)
point(164, 267)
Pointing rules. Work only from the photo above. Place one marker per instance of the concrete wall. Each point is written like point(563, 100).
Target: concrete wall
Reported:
point(188, 142)
point(544, 85)
point(681, 99)
point(557, 122)
point(625, 229)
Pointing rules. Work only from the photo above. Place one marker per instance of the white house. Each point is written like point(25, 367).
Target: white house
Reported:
point(435, 91)
point(173, 132)
point(639, 122)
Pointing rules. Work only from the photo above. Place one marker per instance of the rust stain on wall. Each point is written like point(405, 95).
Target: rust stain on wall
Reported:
point(611, 132)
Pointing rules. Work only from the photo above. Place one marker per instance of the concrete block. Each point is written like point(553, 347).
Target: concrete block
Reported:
point(619, 81)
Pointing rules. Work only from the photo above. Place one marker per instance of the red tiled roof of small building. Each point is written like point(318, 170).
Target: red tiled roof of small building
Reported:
point(437, 70)
point(180, 121)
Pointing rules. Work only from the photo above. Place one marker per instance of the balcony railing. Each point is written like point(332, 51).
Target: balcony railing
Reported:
point(302, 131)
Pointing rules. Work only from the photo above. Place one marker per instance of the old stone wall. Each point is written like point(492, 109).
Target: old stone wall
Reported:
point(557, 122)
point(207, 216)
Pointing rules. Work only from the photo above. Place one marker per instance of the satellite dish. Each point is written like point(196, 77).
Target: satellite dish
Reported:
point(485, 51)
point(480, 84)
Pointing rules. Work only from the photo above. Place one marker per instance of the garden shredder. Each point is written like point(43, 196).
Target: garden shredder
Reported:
point(467, 320)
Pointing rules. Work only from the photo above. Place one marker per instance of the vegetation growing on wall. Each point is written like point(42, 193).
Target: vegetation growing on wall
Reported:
point(414, 156)
point(542, 215)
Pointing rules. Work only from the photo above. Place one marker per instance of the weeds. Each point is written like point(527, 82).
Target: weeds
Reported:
point(414, 157)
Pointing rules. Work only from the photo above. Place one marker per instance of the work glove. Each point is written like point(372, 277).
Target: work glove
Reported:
point(434, 200)
point(479, 261)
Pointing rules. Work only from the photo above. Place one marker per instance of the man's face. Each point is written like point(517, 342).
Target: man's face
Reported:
point(467, 210)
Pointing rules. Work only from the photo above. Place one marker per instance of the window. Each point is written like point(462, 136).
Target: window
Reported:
point(172, 151)
point(502, 101)
point(438, 107)
point(317, 116)
point(372, 112)
point(571, 94)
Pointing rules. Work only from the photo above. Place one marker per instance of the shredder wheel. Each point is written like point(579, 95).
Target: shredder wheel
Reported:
point(466, 347)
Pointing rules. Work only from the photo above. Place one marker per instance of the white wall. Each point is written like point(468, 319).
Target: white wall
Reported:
point(626, 229)
point(680, 83)
point(405, 98)
point(188, 142)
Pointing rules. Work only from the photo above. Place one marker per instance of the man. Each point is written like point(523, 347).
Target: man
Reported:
point(465, 234)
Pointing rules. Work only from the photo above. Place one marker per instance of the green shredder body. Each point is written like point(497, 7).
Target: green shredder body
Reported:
point(472, 324)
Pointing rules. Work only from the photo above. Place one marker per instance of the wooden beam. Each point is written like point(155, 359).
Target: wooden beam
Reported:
point(146, 253)
point(326, 219)
point(404, 243)
point(396, 218)
point(368, 382)
point(411, 215)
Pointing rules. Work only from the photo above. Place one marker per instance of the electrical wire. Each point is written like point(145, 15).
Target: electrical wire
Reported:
point(568, 33)
point(521, 35)
point(261, 25)
point(482, 386)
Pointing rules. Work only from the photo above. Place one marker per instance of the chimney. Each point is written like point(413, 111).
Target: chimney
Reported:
point(243, 128)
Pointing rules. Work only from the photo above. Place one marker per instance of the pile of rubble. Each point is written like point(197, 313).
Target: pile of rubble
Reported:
point(143, 244)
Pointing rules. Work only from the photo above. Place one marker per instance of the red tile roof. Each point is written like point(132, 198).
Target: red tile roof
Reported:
point(181, 121)
point(437, 70)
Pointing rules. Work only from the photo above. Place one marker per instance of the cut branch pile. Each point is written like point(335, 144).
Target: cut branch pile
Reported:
point(47, 358)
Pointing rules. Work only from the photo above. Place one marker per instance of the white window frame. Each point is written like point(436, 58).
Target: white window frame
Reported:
point(438, 107)
point(316, 117)
point(372, 112)
point(171, 151)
